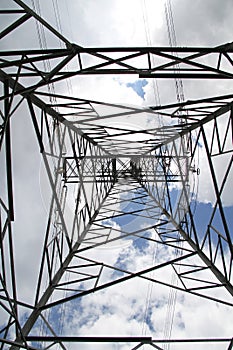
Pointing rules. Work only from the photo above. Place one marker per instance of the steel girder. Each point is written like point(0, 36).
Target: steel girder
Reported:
point(84, 153)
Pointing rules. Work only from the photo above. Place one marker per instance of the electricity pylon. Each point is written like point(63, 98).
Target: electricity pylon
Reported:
point(112, 183)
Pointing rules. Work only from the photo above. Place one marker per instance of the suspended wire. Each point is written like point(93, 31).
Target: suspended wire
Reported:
point(173, 43)
point(180, 98)
point(178, 82)
point(149, 43)
point(70, 90)
point(43, 45)
point(59, 29)
point(69, 20)
point(38, 28)
point(57, 18)
point(149, 293)
point(51, 89)
point(195, 187)
point(47, 67)
point(172, 298)
point(157, 101)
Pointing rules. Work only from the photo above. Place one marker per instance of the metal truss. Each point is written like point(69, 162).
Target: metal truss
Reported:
point(100, 173)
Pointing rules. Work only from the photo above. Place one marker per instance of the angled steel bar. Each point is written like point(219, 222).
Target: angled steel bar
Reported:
point(220, 205)
point(194, 245)
point(42, 105)
point(120, 280)
point(42, 21)
point(38, 55)
point(198, 123)
point(52, 331)
point(16, 24)
point(47, 294)
point(17, 344)
point(230, 345)
point(93, 136)
point(8, 157)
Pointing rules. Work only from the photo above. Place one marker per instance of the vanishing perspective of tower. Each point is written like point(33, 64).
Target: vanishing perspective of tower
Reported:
point(112, 177)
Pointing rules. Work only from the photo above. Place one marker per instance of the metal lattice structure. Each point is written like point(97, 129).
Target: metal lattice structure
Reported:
point(99, 173)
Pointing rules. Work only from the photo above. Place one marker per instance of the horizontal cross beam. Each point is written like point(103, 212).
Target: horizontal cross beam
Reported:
point(143, 340)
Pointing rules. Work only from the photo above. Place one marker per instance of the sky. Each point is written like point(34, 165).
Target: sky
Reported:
point(135, 307)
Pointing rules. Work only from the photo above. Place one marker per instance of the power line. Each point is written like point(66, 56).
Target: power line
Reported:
point(169, 320)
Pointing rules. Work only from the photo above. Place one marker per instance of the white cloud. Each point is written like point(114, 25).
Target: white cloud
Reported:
point(122, 311)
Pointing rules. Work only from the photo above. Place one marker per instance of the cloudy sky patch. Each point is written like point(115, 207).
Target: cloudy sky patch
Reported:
point(137, 306)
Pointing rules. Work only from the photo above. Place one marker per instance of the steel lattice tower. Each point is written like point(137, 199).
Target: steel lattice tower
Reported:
point(99, 172)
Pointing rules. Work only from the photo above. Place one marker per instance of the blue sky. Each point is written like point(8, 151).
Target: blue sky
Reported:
point(138, 86)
